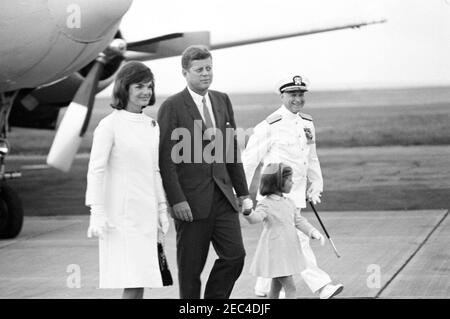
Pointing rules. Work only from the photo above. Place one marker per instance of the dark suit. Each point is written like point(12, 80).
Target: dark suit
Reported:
point(208, 188)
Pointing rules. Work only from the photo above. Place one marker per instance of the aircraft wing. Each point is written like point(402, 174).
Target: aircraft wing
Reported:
point(293, 34)
point(165, 46)
point(173, 44)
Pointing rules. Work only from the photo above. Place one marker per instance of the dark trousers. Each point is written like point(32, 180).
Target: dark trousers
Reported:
point(223, 229)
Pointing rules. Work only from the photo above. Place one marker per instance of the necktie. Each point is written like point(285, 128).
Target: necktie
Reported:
point(207, 115)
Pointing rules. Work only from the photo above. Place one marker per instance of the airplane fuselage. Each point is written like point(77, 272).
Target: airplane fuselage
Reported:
point(43, 41)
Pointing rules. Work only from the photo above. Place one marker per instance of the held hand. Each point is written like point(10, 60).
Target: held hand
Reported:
point(317, 235)
point(241, 200)
point(97, 222)
point(247, 206)
point(182, 211)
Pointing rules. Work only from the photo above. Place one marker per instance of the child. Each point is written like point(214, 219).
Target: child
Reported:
point(278, 254)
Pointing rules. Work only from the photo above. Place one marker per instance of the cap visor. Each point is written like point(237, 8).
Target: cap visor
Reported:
point(295, 88)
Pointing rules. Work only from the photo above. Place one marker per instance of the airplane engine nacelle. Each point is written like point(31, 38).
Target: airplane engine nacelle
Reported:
point(39, 108)
point(44, 41)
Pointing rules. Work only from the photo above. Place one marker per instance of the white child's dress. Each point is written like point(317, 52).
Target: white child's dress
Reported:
point(124, 176)
point(278, 253)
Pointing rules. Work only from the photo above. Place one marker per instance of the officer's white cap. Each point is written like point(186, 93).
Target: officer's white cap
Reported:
point(293, 83)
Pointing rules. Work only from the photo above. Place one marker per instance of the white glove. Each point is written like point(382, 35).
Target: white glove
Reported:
point(247, 206)
point(317, 235)
point(315, 199)
point(163, 221)
point(313, 195)
point(97, 222)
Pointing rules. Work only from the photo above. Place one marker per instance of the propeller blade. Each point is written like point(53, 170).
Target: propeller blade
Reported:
point(74, 124)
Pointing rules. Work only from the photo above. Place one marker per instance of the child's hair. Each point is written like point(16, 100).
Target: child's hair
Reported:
point(273, 178)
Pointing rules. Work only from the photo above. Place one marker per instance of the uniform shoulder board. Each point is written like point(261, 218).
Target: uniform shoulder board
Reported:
point(274, 118)
point(305, 116)
point(153, 123)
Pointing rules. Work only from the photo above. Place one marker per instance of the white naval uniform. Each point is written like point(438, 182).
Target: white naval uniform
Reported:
point(282, 138)
point(124, 177)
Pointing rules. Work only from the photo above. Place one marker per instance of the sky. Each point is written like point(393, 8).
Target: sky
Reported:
point(411, 49)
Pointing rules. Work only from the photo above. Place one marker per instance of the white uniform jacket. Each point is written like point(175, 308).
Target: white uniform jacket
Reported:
point(291, 139)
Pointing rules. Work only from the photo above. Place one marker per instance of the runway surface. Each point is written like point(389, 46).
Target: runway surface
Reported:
point(385, 208)
point(384, 255)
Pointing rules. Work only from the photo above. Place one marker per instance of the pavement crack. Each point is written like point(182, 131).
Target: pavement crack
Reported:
point(412, 255)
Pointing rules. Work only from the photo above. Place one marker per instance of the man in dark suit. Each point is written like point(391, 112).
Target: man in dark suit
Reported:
point(200, 165)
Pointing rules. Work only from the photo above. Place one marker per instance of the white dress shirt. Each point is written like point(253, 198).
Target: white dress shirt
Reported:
point(198, 101)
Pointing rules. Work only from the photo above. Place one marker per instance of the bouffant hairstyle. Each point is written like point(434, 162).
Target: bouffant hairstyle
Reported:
point(273, 178)
point(194, 52)
point(130, 73)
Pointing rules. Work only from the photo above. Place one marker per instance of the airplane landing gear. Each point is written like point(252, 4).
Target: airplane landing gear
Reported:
point(11, 211)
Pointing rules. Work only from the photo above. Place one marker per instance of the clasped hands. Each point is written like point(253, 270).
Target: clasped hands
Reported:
point(247, 206)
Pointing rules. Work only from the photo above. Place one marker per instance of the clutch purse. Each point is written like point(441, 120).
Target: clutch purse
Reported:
point(164, 267)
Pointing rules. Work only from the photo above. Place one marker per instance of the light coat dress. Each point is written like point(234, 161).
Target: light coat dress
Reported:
point(124, 177)
point(279, 252)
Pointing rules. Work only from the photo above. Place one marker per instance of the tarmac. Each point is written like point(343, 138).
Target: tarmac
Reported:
point(384, 254)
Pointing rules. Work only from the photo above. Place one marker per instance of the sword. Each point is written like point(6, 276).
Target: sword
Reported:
point(324, 229)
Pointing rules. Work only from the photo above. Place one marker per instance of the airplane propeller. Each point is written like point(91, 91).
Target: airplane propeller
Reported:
point(74, 124)
point(76, 119)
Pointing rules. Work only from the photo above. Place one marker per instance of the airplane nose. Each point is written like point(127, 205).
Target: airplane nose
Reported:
point(87, 20)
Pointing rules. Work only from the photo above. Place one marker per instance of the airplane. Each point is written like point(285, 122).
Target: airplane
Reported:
point(59, 53)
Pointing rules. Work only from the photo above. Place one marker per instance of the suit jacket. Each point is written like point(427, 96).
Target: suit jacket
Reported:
point(186, 173)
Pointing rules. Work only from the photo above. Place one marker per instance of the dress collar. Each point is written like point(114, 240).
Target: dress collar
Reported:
point(276, 197)
point(130, 115)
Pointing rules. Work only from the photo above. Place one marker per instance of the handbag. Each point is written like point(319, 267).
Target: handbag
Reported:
point(166, 276)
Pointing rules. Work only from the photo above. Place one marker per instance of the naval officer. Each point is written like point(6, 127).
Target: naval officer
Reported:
point(288, 136)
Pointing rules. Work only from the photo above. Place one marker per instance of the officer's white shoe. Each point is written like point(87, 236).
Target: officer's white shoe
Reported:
point(259, 293)
point(329, 291)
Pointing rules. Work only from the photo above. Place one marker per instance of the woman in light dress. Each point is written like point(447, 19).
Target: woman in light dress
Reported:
point(278, 254)
point(124, 187)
